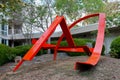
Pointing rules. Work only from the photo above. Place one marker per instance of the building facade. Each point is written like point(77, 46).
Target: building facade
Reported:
point(3, 34)
point(14, 37)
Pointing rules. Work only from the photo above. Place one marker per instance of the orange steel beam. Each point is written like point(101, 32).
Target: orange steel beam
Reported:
point(75, 49)
point(38, 45)
point(68, 48)
point(44, 37)
point(67, 34)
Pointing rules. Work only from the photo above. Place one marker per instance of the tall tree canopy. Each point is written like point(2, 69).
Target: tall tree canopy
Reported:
point(71, 8)
point(112, 10)
point(74, 8)
point(10, 9)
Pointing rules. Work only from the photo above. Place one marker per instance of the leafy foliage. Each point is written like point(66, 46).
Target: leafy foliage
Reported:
point(113, 13)
point(5, 54)
point(70, 8)
point(115, 48)
point(89, 7)
point(21, 50)
point(92, 6)
point(78, 42)
point(8, 54)
point(11, 9)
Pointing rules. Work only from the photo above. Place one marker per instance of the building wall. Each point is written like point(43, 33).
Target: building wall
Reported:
point(3, 34)
point(109, 38)
point(89, 34)
point(79, 32)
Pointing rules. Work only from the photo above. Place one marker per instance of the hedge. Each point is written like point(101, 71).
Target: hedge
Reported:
point(115, 48)
point(22, 50)
point(5, 54)
point(78, 42)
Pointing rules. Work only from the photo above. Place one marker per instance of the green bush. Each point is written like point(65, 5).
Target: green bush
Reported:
point(22, 50)
point(78, 42)
point(103, 48)
point(41, 52)
point(5, 54)
point(115, 48)
point(8, 54)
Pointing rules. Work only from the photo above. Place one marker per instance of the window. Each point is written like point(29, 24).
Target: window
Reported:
point(4, 29)
point(4, 41)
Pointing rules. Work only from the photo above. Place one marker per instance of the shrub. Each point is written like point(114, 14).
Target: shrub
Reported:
point(115, 48)
point(103, 48)
point(41, 52)
point(78, 42)
point(5, 54)
point(8, 54)
point(22, 50)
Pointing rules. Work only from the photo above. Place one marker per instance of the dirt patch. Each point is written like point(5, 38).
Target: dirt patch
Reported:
point(63, 69)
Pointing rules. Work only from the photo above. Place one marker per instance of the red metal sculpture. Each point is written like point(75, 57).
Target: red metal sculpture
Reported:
point(93, 52)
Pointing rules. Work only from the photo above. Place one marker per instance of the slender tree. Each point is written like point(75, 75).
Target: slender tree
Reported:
point(46, 11)
point(70, 8)
point(113, 13)
point(10, 13)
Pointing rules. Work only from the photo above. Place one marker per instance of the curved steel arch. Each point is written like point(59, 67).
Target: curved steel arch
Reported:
point(94, 58)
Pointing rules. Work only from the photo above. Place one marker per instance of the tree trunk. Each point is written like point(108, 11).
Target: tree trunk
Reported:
point(49, 41)
point(12, 35)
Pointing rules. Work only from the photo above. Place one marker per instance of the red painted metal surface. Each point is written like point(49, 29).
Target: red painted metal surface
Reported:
point(67, 34)
point(72, 25)
point(17, 66)
point(93, 52)
point(34, 41)
point(75, 49)
point(38, 45)
point(44, 37)
point(66, 48)
point(94, 58)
